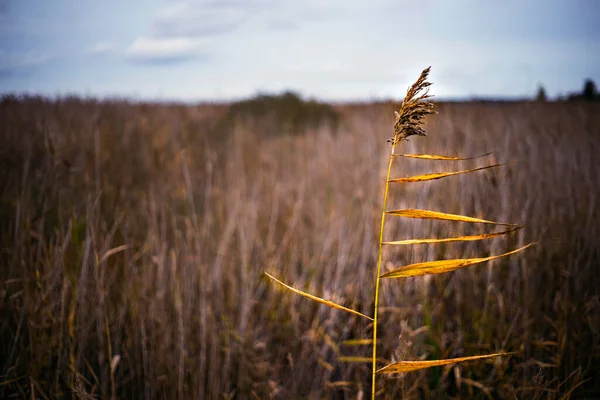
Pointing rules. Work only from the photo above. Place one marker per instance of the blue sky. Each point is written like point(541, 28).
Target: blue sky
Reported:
point(335, 50)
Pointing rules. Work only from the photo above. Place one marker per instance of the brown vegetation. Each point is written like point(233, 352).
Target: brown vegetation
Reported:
point(133, 240)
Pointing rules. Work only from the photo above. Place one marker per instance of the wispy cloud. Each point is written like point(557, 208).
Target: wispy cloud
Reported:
point(102, 48)
point(159, 50)
point(21, 63)
point(181, 31)
point(197, 19)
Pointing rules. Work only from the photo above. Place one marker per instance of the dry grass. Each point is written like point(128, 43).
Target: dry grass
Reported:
point(133, 242)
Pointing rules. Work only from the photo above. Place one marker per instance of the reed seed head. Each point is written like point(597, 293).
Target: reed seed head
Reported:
point(414, 108)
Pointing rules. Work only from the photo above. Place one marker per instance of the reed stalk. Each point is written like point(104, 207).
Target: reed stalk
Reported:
point(409, 122)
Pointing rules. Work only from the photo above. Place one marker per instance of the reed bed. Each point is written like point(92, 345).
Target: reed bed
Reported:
point(134, 236)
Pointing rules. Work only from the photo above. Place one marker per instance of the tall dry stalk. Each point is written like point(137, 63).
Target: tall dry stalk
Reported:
point(409, 122)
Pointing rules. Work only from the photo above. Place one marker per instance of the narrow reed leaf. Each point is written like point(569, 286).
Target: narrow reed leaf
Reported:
point(439, 175)
point(437, 157)
point(358, 359)
point(357, 342)
point(111, 252)
point(341, 384)
point(443, 266)
point(24, 376)
point(568, 394)
point(408, 366)
point(453, 239)
point(331, 344)
point(114, 363)
point(427, 214)
point(318, 299)
point(326, 365)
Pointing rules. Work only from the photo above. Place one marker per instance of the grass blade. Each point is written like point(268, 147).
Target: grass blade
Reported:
point(408, 366)
point(318, 299)
point(439, 175)
point(443, 266)
point(331, 344)
point(111, 252)
point(568, 394)
point(427, 214)
point(437, 157)
point(24, 376)
point(358, 359)
point(357, 342)
point(453, 239)
point(341, 384)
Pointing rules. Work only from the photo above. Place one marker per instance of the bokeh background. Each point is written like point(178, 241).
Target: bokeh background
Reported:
point(157, 157)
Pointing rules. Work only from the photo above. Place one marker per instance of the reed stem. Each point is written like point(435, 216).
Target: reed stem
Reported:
point(378, 279)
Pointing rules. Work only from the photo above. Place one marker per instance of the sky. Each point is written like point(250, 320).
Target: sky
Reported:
point(198, 50)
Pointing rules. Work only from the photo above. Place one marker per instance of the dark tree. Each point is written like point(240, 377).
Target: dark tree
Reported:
point(541, 94)
point(589, 93)
point(589, 90)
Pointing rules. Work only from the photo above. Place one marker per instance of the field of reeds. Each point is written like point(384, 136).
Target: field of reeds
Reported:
point(133, 240)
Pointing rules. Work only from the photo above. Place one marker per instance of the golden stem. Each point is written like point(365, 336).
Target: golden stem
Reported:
point(379, 258)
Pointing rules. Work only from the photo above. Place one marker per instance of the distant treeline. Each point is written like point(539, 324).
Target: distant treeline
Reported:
point(274, 115)
point(588, 93)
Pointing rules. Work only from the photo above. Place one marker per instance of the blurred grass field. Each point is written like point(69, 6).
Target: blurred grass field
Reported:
point(134, 236)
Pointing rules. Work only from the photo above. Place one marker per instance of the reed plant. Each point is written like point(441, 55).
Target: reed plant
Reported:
point(410, 118)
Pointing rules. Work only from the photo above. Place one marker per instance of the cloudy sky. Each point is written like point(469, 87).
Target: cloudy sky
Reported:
point(336, 50)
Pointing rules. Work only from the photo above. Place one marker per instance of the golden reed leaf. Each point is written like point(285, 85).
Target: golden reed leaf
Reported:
point(427, 214)
point(355, 359)
point(443, 266)
point(357, 342)
point(408, 366)
point(439, 175)
point(358, 359)
point(437, 157)
point(326, 365)
point(453, 239)
point(341, 384)
point(331, 344)
point(318, 299)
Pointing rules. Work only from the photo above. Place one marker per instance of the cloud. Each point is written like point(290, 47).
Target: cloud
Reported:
point(181, 31)
point(282, 25)
point(160, 50)
point(198, 19)
point(294, 15)
point(20, 64)
point(102, 48)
